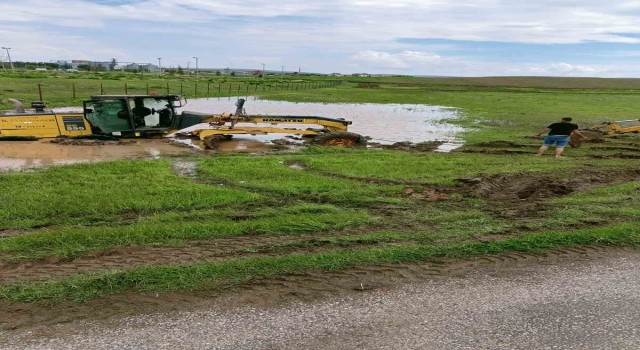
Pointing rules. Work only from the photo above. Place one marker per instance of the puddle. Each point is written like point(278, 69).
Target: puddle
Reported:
point(186, 168)
point(383, 123)
point(26, 155)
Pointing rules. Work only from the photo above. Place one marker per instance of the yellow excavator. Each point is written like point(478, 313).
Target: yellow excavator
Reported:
point(606, 129)
point(144, 116)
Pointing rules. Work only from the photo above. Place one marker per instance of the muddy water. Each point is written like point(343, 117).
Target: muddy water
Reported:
point(383, 123)
point(25, 155)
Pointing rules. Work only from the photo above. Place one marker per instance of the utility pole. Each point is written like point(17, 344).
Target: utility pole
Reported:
point(160, 64)
point(262, 70)
point(196, 67)
point(282, 73)
point(9, 56)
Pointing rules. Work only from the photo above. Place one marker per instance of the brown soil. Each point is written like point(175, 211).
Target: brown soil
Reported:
point(194, 252)
point(269, 291)
point(515, 195)
point(525, 194)
point(499, 144)
point(426, 146)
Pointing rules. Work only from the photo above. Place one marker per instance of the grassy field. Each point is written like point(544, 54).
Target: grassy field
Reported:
point(337, 208)
point(60, 89)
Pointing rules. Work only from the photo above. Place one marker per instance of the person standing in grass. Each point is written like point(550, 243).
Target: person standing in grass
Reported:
point(558, 133)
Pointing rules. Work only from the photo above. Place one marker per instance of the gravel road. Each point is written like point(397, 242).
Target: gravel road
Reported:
point(571, 304)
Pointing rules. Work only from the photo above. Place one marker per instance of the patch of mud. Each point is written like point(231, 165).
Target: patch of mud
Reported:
point(524, 194)
point(119, 258)
point(296, 166)
point(499, 144)
point(4, 233)
point(186, 168)
point(617, 156)
point(26, 155)
point(427, 146)
point(271, 291)
point(431, 194)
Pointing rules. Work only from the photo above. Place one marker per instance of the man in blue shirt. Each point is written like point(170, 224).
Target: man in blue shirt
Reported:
point(558, 133)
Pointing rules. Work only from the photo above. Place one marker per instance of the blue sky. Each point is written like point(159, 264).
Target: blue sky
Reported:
point(419, 37)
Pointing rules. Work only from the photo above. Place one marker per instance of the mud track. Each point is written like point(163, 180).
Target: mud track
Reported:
point(526, 194)
point(200, 251)
point(305, 287)
point(520, 196)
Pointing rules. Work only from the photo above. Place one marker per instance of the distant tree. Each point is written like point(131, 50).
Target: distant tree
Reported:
point(233, 74)
point(180, 70)
point(113, 64)
point(84, 67)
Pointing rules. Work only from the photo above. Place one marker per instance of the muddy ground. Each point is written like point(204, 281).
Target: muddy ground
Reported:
point(521, 197)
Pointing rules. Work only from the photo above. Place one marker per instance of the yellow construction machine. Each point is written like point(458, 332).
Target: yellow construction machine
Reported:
point(143, 116)
point(606, 129)
point(618, 127)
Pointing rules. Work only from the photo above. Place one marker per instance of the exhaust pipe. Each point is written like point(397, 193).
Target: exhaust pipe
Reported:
point(17, 105)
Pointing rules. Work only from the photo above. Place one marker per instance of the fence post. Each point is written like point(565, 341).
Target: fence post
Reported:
point(195, 91)
point(181, 93)
point(208, 88)
point(147, 88)
point(238, 89)
point(167, 88)
point(126, 89)
point(247, 87)
point(101, 89)
point(229, 88)
point(73, 88)
point(40, 91)
point(219, 89)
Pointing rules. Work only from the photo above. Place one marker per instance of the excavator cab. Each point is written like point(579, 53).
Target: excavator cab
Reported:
point(133, 115)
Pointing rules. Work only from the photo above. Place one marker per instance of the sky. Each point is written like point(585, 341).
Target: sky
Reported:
point(591, 38)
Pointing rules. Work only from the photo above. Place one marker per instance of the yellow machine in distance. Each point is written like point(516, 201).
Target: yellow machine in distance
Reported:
point(618, 127)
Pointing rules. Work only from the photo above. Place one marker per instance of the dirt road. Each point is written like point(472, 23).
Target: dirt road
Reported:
point(577, 302)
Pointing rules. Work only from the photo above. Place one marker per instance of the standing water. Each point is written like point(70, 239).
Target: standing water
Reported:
point(383, 123)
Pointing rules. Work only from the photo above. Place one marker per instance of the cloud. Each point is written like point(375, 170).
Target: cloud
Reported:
point(328, 35)
point(401, 60)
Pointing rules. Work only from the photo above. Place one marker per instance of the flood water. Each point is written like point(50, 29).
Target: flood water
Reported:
point(383, 123)
point(26, 155)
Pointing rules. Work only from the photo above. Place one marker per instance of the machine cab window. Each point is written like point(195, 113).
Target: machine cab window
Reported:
point(151, 112)
point(108, 116)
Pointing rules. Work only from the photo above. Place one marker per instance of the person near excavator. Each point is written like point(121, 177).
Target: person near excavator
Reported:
point(560, 134)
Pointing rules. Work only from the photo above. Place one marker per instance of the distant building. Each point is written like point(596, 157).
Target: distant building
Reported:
point(361, 74)
point(336, 74)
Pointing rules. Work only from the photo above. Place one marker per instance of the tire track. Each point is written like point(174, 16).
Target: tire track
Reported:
point(195, 252)
point(318, 284)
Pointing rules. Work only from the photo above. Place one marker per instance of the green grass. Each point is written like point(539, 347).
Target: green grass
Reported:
point(272, 176)
point(429, 168)
point(228, 274)
point(70, 89)
point(87, 193)
point(90, 208)
point(175, 230)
